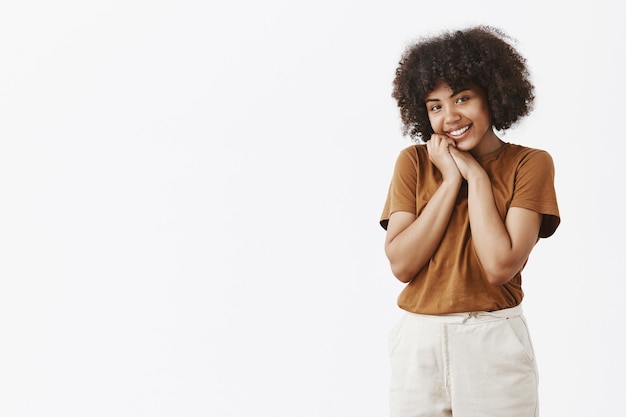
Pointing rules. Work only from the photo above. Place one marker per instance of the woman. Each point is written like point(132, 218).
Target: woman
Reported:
point(463, 213)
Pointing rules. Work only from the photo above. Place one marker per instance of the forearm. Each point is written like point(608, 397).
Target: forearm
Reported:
point(410, 246)
point(491, 239)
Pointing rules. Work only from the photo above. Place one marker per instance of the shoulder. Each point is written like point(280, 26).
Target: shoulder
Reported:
point(527, 156)
point(413, 151)
point(413, 154)
point(525, 151)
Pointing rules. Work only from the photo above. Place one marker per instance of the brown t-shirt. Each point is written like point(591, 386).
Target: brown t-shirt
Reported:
point(453, 280)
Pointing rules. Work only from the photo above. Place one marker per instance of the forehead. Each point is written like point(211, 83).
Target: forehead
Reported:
point(443, 90)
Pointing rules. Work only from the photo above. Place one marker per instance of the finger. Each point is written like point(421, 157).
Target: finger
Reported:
point(433, 143)
point(446, 141)
point(435, 138)
point(439, 141)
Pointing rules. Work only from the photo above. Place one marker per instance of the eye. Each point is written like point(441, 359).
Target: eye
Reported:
point(434, 108)
point(462, 99)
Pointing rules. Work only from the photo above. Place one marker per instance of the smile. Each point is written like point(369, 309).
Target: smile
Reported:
point(459, 132)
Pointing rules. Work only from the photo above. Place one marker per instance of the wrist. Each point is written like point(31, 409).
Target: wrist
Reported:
point(453, 182)
point(476, 175)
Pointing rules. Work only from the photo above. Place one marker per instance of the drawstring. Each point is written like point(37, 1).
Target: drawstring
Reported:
point(469, 316)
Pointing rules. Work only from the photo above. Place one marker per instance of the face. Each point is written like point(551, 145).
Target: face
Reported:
point(462, 116)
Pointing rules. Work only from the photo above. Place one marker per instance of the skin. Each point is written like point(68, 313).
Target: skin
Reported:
point(463, 131)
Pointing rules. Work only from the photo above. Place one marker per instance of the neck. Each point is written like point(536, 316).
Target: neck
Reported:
point(489, 143)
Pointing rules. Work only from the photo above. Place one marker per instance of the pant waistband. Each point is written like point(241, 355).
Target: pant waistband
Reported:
point(474, 316)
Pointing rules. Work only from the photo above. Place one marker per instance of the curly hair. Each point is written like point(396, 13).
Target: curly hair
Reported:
point(481, 56)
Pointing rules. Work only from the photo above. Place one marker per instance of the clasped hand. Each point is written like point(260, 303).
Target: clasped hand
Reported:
point(452, 162)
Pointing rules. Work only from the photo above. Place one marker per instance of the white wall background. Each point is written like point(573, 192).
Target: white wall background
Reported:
point(189, 197)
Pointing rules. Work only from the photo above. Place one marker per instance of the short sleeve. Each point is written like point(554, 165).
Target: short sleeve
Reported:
point(534, 190)
point(402, 192)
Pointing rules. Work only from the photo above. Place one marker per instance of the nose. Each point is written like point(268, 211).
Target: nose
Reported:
point(451, 114)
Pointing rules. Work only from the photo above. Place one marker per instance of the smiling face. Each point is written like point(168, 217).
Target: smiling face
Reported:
point(463, 116)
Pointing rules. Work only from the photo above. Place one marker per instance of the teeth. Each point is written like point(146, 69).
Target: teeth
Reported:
point(459, 132)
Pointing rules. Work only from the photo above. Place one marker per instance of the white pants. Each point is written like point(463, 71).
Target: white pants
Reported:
point(467, 365)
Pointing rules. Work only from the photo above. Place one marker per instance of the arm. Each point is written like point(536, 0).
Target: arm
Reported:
point(502, 247)
point(411, 240)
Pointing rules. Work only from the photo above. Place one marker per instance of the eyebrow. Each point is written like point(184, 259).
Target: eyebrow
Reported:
point(454, 93)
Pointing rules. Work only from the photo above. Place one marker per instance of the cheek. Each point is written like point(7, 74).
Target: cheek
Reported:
point(434, 120)
point(484, 111)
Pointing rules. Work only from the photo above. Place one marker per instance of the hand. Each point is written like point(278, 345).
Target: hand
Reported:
point(465, 162)
point(439, 153)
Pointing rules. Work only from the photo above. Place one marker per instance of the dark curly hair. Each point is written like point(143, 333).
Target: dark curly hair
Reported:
point(481, 56)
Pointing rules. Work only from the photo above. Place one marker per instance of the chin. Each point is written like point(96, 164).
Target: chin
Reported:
point(464, 146)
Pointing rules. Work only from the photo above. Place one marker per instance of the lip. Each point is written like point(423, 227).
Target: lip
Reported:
point(463, 132)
